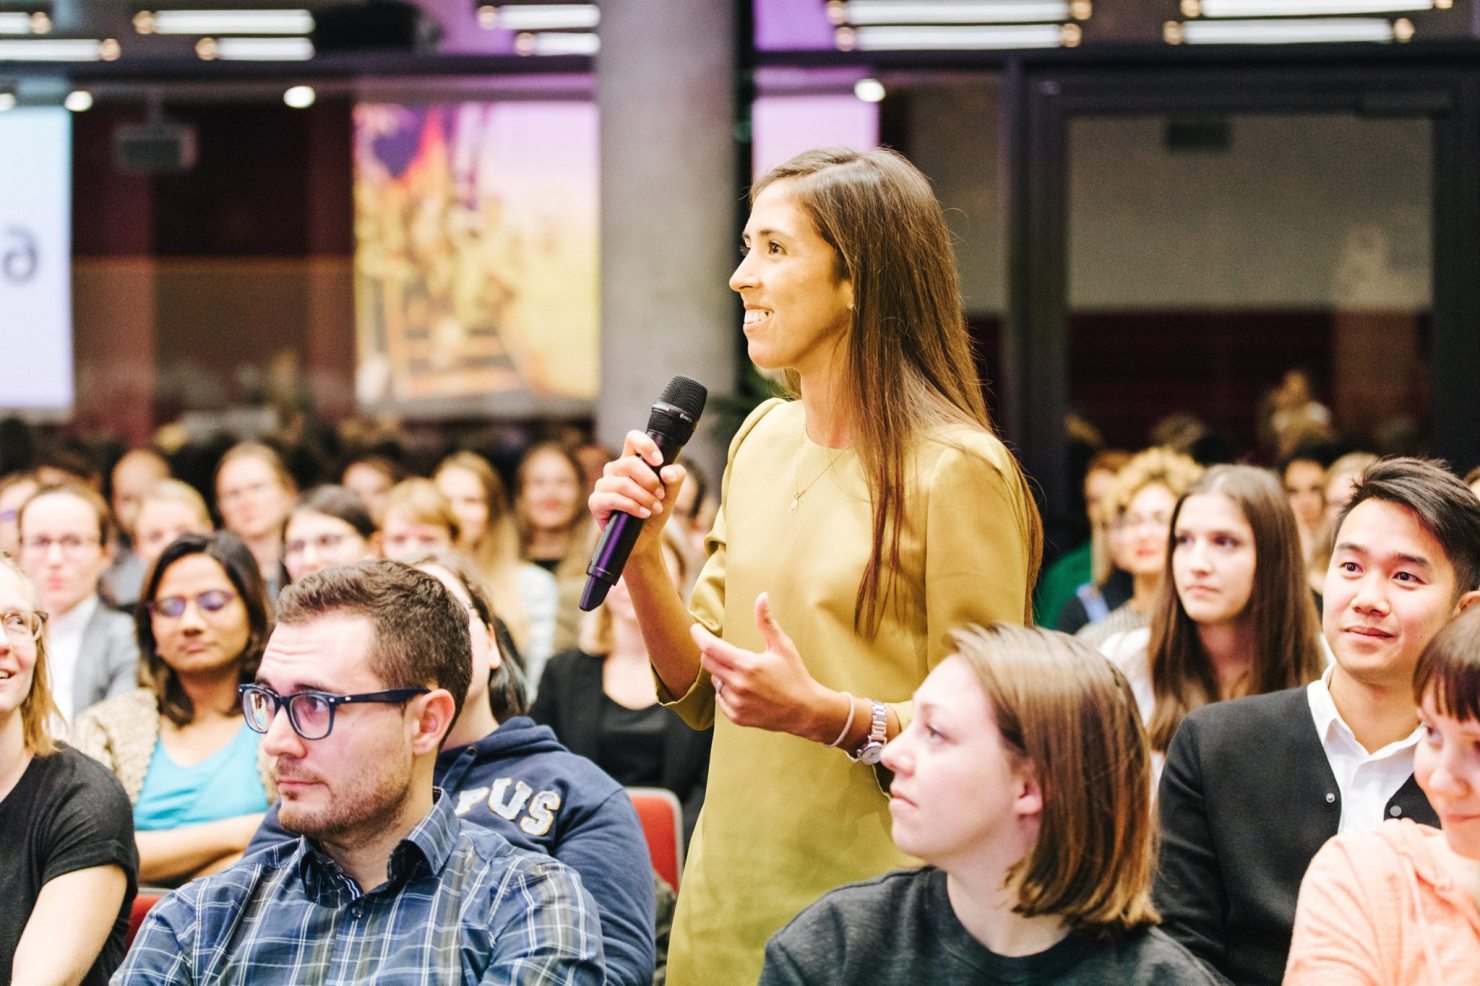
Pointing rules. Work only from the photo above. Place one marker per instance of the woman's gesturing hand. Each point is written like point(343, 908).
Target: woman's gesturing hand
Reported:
point(771, 689)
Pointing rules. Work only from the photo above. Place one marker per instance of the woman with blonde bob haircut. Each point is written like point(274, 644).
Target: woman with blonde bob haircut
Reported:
point(1023, 783)
point(68, 866)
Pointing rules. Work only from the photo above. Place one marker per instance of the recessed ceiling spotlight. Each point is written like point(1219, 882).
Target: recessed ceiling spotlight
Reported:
point(300, 97)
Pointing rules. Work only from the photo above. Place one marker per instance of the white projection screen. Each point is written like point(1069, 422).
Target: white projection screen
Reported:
point(35, 260)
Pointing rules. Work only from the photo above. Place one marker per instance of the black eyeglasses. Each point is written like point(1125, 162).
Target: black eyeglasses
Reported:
point(311, 714)
point(210, 601)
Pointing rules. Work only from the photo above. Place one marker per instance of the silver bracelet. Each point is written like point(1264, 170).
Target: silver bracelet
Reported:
point(847, 725)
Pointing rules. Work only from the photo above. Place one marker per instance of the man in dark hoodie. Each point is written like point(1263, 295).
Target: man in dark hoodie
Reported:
point(515, 778)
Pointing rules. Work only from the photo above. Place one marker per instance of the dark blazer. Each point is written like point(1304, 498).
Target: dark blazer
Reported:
point(1247, 797)
point(569, 702)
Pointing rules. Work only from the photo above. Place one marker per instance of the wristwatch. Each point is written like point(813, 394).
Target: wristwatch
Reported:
point(873, 744)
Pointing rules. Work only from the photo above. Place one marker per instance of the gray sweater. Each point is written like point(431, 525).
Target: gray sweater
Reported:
point(900, 928)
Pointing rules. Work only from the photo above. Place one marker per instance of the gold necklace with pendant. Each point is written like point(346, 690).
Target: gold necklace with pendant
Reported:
point(799, 491)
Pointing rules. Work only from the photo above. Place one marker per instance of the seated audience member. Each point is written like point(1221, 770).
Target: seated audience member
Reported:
point(361, 681)
point(1252, 788)
point(67, 859)
point(65, 533)
point(507, 774)
point(254, 492)
point(555, 529)
point(1235, 618)
point(15, 490)
point(329, 526)
point(168, 509)
point(1303, 475)
point(190, 765)
point(134, 473)
point(371, 477)
point(1023, 784)
point(694, 512)
point(1145, 491)
point(1095, 583)
point(602, 703)
point(417, 520)
point(526, 594)
point(1340, 477)
point(1398, 904)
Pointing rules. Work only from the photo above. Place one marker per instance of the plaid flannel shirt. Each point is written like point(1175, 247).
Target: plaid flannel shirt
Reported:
point(460, 905)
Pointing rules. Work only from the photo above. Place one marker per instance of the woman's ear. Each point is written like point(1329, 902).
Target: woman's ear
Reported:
point(1027, 799)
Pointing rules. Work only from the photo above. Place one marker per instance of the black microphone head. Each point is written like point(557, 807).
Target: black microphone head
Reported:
point(686, 394)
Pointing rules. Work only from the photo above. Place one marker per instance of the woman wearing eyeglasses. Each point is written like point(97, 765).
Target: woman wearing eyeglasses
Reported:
point(67, 861)
point(191, 767)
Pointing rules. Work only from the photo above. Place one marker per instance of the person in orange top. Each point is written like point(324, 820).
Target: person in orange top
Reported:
point(1397, 904)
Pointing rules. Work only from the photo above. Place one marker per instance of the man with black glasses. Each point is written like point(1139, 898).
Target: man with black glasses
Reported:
point(361, 680)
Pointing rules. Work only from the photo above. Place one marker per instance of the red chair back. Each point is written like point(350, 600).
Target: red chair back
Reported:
point(662, 822)
point(142, 904)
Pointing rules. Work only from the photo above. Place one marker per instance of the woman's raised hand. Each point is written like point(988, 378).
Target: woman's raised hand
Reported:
point(772, 689)
point(631, 485)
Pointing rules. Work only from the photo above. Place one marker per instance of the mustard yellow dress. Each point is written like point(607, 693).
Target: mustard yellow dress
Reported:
point(784, 819)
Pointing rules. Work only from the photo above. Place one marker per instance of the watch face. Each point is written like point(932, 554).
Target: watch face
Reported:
point(871, 753)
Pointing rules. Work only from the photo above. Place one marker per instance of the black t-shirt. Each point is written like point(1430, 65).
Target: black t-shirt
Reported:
point(900, 929)
point(67, 813)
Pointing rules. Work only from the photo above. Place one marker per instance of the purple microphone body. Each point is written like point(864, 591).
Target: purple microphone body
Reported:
point(670, 425)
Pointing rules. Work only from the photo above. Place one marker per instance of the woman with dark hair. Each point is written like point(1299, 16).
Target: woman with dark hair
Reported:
point(67, 859)
point(868, 515)
point(329, 526)
point(1023, 785)
point(1235, 617)
point(190, 765)
point(1400, 903)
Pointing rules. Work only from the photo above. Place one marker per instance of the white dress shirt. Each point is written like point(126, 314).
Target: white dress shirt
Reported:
point(1366, 781)
point(63, 649)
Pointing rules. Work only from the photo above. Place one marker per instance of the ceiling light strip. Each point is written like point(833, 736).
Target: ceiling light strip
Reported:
point(1303, 8)
point(202, 22)
point(547, 17)
point(860, 13)
point(52, 50)
point(264, 49)
point(1333, 30)
point(916, 38)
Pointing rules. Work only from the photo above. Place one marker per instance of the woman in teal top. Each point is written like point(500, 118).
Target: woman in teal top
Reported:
point(190, 766)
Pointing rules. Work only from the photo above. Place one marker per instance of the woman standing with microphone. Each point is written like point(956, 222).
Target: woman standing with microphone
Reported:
point(867, 516)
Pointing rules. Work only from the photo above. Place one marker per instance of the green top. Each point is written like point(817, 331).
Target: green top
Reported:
point(1060, 582)
point(784, 819)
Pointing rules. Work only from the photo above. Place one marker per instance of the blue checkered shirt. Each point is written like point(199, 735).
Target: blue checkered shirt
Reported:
point(460, 905)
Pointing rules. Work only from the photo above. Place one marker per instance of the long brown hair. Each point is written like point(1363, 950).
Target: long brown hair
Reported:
point(1281, 610)
point(909, 355)
point(496, 551)
point(1064, 709)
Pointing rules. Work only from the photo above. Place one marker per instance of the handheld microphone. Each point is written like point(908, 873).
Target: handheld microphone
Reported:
point(671, 425)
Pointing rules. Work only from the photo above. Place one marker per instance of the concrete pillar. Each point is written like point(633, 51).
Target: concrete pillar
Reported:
point(664, 87)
